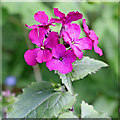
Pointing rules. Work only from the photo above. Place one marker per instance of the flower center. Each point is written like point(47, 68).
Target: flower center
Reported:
point(42, 47)
point(73, 42)
point(60, 58)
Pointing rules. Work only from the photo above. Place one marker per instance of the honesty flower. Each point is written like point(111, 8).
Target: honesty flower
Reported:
point(94, 38)
point(43, 53)
point(71, 16)
point(71, 36)
point(62, 60)
point(42, 18)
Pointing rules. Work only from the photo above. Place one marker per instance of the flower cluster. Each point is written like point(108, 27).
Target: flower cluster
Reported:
point(59, 56)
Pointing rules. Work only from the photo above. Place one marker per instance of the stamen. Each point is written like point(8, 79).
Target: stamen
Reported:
point(60, 58)
point(42, 47)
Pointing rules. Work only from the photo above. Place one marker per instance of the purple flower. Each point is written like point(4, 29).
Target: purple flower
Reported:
point(62, 60)
point(71, 16)
point(42, 18)
point(43, 53)
point(71, 36)
point(93, 37)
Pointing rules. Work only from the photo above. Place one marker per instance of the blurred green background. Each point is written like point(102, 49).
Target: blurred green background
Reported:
point(100, 89)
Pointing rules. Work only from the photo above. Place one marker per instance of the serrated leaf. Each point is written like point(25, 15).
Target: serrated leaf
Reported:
point(88, 111)
point(66, 80)
point(85, 66)
point(40, 100)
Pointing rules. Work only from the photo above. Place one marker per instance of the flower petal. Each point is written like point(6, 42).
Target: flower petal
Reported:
point(93, 35)
point(62, 66)
point(53, 64)
point(43, 56)
point(97, 49)
point(95, 38)
point(58, 13)
point(73, 16)
point(35, 39)
point(55, 20)
point(52, 40)
point(32, 27)
point(86, 29)
point(30, 56)
point(69, 56)
point(77, 51)
point(84, 43)
point(65, 67)
point(58, 51)
point(73, 30)
point(41, 17)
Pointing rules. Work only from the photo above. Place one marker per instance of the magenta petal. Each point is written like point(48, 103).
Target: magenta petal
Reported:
point(77, 51)
point(73, 16)
point(86, 29)
point(53, 64)
point(31, 27)
point(65, 67)
point(93, 35)
point(55, 20)
point(52, 40)
point(58, 13)
point(30, 56)
point(97, 49)
point(41, 17)
point(58, 51)
point(73, 30)
point(39, 57)
point(33, 36)
point(69, 56)
point(43, 56)
point(84, 43)
point(62, 66)
point(42, 32)
point(35, 39)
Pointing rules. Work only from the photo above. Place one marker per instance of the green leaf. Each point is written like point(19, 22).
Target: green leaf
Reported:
point(85, 66)
point(66, 81)
point(68, 114)
point(41, 101)
point(87, 111)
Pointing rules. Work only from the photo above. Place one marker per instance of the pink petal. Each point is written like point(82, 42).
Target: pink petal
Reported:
point(58, 51)
point(86, 29)
point(77, 51)
point(44, 56)
point(35, 39)
point(97, 49)
point(58, 13)
point(73, 16)
point(61, 66)
point(93, 35)
point(65, 67)
point(55, 20)
point(69, 56)
point(31, 27)
point(66, 37)
point(53, 64)
point(30, 56)
point(73, 30)
point(41, 17)
point(95, 38)
point(52, 40)
point(84, 43)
